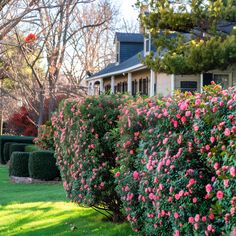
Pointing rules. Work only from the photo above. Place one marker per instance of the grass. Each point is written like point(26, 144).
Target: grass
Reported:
point(42, 209)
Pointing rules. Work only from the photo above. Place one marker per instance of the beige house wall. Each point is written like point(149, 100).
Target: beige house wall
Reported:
point(163, 83)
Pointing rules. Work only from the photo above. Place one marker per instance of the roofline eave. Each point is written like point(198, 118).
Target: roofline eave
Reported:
point(130, 69)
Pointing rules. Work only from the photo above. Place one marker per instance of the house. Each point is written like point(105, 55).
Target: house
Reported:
point(128, 74)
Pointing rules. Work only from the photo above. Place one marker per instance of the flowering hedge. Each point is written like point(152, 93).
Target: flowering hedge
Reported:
point(177, 164)
point(84, 143)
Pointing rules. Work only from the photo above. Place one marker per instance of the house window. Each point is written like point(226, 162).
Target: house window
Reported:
point(147, 44)
point(134, 87)
point(143, 86)
point(189, 86)
point(107, 88)
point(125, 87)
point(222, 79)
point(117, 52)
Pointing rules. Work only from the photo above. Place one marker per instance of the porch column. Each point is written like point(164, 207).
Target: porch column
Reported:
point(172, 84)
point(101, 86)
point(130, 83)
point(201, 83)
point(113, 84)
point(152, 84)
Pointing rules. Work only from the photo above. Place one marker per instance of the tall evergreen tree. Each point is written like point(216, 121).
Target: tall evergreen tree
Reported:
point(190, 36)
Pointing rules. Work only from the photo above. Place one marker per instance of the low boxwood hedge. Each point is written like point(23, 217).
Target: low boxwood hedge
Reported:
point(42, 165)
point(15, 147)
point(19, 164)
point(10, 138)
point(6, 156)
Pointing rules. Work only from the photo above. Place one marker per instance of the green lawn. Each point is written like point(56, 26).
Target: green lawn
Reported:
point(42, 209)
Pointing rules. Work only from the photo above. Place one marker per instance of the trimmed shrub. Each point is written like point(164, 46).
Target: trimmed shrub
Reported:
point(85, 141)
point(17, 139)
point(32, 148)
point(42, 165)
point(16, 147)
point(19, 164)
point(6, 148)
point(177, 164)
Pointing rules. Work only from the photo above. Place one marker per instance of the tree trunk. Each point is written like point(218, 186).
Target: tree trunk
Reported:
point(41, 107)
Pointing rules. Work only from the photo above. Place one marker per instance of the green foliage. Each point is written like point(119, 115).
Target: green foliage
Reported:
point(31, 148)
point(177, 161)
point(45, 137)
point(7, 138)
point(85, 144)
point(19, 164)
point(42, 165)
point(6, 155)
point(181, 49)
point(15, 147)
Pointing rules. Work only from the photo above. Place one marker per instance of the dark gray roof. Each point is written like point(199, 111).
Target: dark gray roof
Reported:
point(226, 26)
point(112, 68)
point(129, 37)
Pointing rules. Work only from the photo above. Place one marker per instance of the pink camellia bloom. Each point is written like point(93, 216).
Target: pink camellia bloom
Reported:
point(197, 218)
point(219, 195)
point(195, 127)
point(117, 174)
point(136, 175)
point(176, 215)
point(196, 226)
point(177, 197)
point(183, 119)
point(212, 139)
point(191, 220)
point(177, 233)
point(165, 141)
point(216, 166)
point(209, 227)
point(226, 183)
point(208, 188)
point(204, 219)
point(194, 200)
point(232, 171)
point(197, 102)
point(227, 132)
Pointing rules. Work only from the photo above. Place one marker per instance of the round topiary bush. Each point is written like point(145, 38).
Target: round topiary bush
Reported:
point(42, 165)
point(6, 148)
point(19, 164)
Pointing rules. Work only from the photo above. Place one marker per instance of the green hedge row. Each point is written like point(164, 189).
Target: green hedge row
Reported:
point(37, 165)
point(13, 139)
point(9, 148)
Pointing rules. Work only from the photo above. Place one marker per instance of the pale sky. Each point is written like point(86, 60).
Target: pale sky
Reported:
point(126, 9)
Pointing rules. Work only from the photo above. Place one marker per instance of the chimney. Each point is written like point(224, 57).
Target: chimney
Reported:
point(143, 11)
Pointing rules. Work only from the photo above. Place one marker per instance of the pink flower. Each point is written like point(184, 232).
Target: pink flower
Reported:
point(232, 171)
point(188, 113)
point(226, 183)
point(117, 174)
point(197, 102)
point(136, 175)
point(194, 200)
point(177, 197)
point(191, 220)
point(212, 139)
point(177, 233)
point(196, 226)
point(176, 215)
point(197, 218)
point(209, 227)
point(208, 188)
point(195, 127)
point(216, 166)
point(204, 219)
point(183, 119)
point(227, 132)
point(165, 141)
point(219, 195)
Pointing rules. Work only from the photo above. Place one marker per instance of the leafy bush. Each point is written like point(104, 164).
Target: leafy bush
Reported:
point(85, 153)
point(19, 164)
point(45, 137)
point(17, 139)
point(42, 165)
point(31, 148)
point(172, 151)
point(6, 148)
point(16, 147)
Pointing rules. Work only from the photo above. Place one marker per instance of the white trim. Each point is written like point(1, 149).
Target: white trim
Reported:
point(201, 82)
point(113, 84)
point(130, 82)
point(152, 83)
point(139, 66)
point(172, 84)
